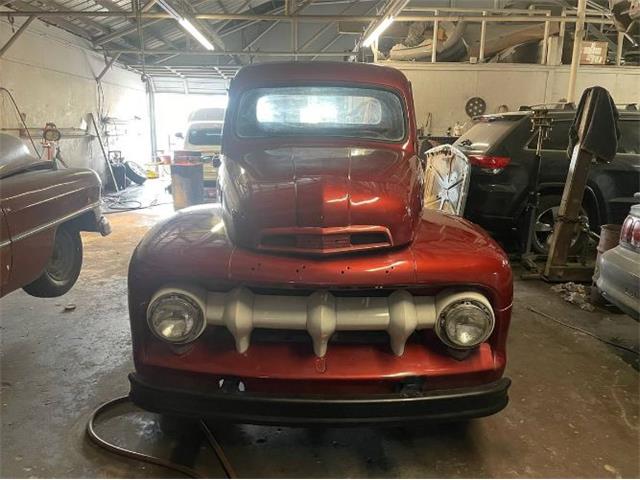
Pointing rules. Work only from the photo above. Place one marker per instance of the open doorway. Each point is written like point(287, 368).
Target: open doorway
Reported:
point(172, 116)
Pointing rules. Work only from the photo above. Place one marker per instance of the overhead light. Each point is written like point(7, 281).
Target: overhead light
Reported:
point(373, 36)
point(187, 25)
point(195, 33)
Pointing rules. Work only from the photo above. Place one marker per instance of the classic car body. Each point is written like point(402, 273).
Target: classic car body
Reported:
point(319, 291)
point(42, 210)
point(618, 278)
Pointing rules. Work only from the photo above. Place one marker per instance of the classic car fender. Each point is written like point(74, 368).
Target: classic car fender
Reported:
point(192, 248)
point(35, 203)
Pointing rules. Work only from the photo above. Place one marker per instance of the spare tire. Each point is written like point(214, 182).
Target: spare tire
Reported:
point(135, 172)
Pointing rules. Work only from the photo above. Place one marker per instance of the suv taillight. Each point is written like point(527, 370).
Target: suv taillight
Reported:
point(630, 232)
point(489, 162)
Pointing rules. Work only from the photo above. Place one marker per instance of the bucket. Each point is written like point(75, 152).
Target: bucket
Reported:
point(187, 184)
point(609, 237)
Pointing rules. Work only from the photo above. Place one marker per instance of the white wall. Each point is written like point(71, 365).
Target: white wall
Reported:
point(443, 89)
point(51, 75)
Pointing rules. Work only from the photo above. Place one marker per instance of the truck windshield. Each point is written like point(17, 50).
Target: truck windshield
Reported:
point(205, 135)
point(321, 111)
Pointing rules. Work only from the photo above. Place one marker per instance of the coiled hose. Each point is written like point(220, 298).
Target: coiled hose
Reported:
point(142, 457)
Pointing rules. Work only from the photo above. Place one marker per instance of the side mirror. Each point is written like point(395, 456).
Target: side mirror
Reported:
point(179, 135)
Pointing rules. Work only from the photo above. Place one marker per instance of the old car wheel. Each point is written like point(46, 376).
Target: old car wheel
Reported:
point(135, 172)
point(545, 220)
point(63, 268)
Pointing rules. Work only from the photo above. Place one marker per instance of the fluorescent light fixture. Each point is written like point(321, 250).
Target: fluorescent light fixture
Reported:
point(195, 33)
point(187, 25)
point(373, 36)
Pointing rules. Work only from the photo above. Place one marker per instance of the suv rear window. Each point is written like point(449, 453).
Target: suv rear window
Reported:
point(205, 135)
point(485, 133)
point(629, 136)
point(558, 137)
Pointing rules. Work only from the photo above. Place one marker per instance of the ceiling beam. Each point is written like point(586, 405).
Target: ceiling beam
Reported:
point(190, 13)
point(113, 6)
point(59, 22)
point(302, 5)
point(88, 21)
point(218, 53)
point(533, 18)
point(16, 35)
point(132, 28)
point(242, 26)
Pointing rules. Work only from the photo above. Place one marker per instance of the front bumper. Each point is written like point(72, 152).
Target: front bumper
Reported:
point(244, 407)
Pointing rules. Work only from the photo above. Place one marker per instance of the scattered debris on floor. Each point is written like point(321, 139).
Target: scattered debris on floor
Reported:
point(69, 307)
point(574, 293)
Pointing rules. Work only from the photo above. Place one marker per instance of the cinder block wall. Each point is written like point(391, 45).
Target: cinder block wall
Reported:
point(51, 75)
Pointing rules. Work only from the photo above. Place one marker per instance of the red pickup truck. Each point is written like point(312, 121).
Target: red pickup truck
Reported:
point(319, 291)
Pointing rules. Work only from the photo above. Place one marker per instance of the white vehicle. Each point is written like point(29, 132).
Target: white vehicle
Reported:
point(204, 135)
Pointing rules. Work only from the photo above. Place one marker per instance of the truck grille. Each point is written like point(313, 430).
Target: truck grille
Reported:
point(316, 240)
point(320, 314)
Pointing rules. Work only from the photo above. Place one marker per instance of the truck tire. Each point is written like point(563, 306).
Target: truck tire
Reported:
point(62, 269)
point(135, 172)
point(545, 219)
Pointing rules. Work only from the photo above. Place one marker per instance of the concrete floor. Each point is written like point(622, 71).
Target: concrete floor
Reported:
point(573, 411)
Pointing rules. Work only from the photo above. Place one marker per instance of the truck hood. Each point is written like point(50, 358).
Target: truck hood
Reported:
point(321, 199)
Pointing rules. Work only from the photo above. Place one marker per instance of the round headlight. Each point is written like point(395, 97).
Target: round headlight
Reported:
point(175, 318)
point(465, 323)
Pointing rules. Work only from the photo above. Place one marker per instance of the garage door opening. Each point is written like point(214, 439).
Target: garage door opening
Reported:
point(175, 113)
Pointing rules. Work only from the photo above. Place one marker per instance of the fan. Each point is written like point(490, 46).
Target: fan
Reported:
point(446, 179)
point(475, 106)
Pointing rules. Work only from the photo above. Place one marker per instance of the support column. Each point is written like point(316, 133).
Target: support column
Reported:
point(619, 48)
point(577, 48)
point(483, 38)
point(434, 41)
point(151, 99)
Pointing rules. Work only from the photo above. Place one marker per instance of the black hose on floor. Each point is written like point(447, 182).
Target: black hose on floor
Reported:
point(142, 457)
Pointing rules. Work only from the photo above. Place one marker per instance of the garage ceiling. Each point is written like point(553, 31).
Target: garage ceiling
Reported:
point(142, 36)
point(245, 27)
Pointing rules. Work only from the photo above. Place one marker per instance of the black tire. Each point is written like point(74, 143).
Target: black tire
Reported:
point(62, 269)
point(135, 172)
point(545, 219)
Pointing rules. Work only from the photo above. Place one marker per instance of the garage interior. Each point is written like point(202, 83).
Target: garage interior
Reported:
point(117, 81)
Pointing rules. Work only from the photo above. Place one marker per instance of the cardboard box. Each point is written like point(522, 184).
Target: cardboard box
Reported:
point(593, 53)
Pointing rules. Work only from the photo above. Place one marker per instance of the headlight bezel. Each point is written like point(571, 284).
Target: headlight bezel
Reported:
point(177, 295)
point(448, 302)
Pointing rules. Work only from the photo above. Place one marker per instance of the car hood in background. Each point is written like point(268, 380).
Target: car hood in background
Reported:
point(15, 156)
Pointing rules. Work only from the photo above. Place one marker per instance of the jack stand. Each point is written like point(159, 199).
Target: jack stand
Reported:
point(540, 122)
point(558, 268)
